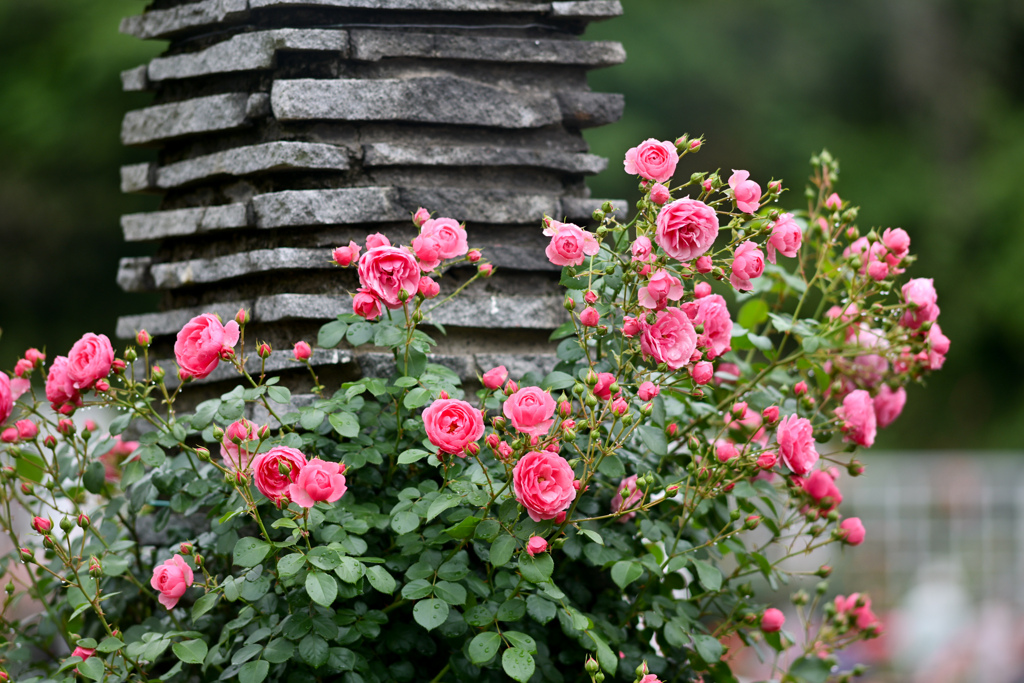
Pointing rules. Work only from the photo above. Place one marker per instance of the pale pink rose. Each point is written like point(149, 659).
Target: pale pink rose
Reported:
point(921, 298)
point(387, 272)
point(428, 289)
point(686, 229)
point(651, 678)
point(858, 415)
point(898, 244)
point(938, 347)
point(746, 191)
point(495, 377)
point(59, 389)
point(237, 456)
point(530, 411)
point(703, 264)
point(89, 360)
point(670, 340)
point(6, 397)
point(648, 390)
point(172, 579)
point(452, 425)
point(449, 234)
point(377, 240)
point(888, 405)
point(345, 256)
point(543, 484)
point(630, 326)
point(420, 217)
point(366, 304)
point(661, 288)
point(428, 251)
point(642, 250)
point(201, 342)
point(302, 351)
point(823, 490)
point(652, 159)
point(626, 496)
point(725, 451)
point(833, 202)
point(772, 620)
point(27, 429)
point(713, 314)
point(570, 245)
point(747, 264)
point(878, 270)
point(589, 317)
point(702, 372)
point(852, 530)
point(785, 237)
point(660, 194)
point(536, 545)
point(83, 652)
point(267, 471)
point(603, 388)
point(318, 481)
point(796, 444)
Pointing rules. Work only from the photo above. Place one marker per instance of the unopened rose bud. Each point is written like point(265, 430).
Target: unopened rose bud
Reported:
point(83, 521)
point(672, 429)
point(443, 395)
point(751, 522)
point(492, 441)
point(203, 453)
point(27, 488)
point(302, 351)
point(9, 435)
point(770, 414)
point(8, 473)
point(590, 297)
point(473, 448)
point(65, 426)
point(263, 350)
point(23, 368)
point(420, 217)
point(198, 559)
point(130, 354)
point(498, 423)
point(118, 366)
point(95, 568)
point(27, 556)
point(824, 571)
point(570, 303)
point(263, 432)
point(242, 317)
point(67, 524)
point(158, 374)
point(218, 432)
point(800, 388)
point(569, 435)
point(486, 269)
point(143, 339)
point(592, 666)
point(284, 469)
point(511, 387)
point(589, 317)
point(695, 145)
point(42, 525)
point(855, 468)
point(185, 548)
point(474, 255)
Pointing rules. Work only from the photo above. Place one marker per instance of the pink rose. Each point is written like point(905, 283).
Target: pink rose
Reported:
point(89, 360)
point(713, 314)
point(858, 415)
point(852, 531)
point(833, 202)
point(9, 435)
point(652, 159)
point(201, 342)
point(239, 443)
point(921, 298)
point(626, 497)
point(747, 264)
point(602, 389)
point(23, 367)
point(535, 545)
point(878, 270)
point(703, 264)
point(452, 425)
point(823, 490)
point(651, 678)
point(7, 398)
point(898, 243)
point(427, 288)
point(344, 256)
point(428, 251)
point(630, 326)
point(589, 317)
point(701, 290)
point(59, 389)
point(366, 304)
point(670, 340)
point(495, 377)
point(267, 471)
point(318, 481)
point(746, 191)
point(449, 236)
point(377, 240)
point(302, 351)
point(702, 372)
point(686, 229)
point(530, 411)
point(863, 617)
point(766, 461)
point(172, 579)
point(796, 444)
point(420, 217)
point(543, 484)
point(83, 652)
point(648, 390)
point(785, 237)
point(660, 194)
point(725, 451)
point(661, 288)
point(570, 244)
point(888, 405)
point(642, 250)
point(938, 345)
point(387, 272)
point(772, 620)
point(27, 429)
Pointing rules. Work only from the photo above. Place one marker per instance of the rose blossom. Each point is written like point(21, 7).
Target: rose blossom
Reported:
point(652, 159)
point(898, 243)
point(302, 351)
point(630, 326)
point(852, 531)
point(387, 272)
point(427, 288)
point(23, 367)
point(785, 237)
point(661, 288)
point(651, 678)
point(796, 444)
point(686, 228)
point(702, 372)
point(766, 461)
point(535, 545)
point(238, 455)
point(530, 411)
point(59, 389)
point(746, 191)
point(267, 471)
point(589, 317)
point(570, 244)
point(452, 425)
point(83, 652)
point(888, 405)
point(200, 343)
point(938, 345)
point(660, 194)
point(27, 429)
point(366, 304)
point(820, 486)
point(602, 389)
point(670, 340)
point(747, 264)
point(89, 360)
point(377, 240)
point(772, 620)
point(858, 415)
point(449, 235)
point(703, 264)
point(344, 256)
point(626, 496)
point(7, 397)
point(9, 435)
point(648, 390)
point(920, 296)
point(495, 377)
point(318, 481)
point(725, 451)
point(543, 484)
point(172, 579)
point(713, 314)
point(863, 617)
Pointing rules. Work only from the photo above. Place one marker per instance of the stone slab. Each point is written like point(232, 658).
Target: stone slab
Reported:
point(276, 362)
point(586, 9)
point(327, 207)
point(138, 177)
point(170, 322)
point(413, 5)
point(166, 23)
point(437, 100)
point(134, 80)
point(199, 115)
point(483, 206)
point(197, 271)
point(497, 311)
point(589, 109)
point(243, 161)
point(141, 227)
point(133, 274)
point(576, 208)
point(389, 154)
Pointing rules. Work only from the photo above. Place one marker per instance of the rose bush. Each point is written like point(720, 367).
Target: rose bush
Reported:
point(593, 523)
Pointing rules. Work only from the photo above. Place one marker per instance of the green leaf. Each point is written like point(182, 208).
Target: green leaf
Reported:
point(114, 565)
point(463, 529)
point(152, 455)
point(442, 503)
point(190, 651)
point(522, 641)
point(254, 672)
point(324, 558)
point(412, 455)
point(625, 573)
point(290, 565)
point(311, 419)
point(350, 570)
point(557, 380)
point(314, 650)
point(654, 438)
point(608, 660)
point(536, 569)
point(709, 575)
point(204, 605)
point(416, 397)
point(518, 664)
point(811, 344)
point(381, 580)
point(430, 613)
point(761, 342)
point(345, 423)
point(278, 650)
point(249, 551)
point(279, 394)
point(388, 336)
point(110, 644)
point(331, 334)
point(405, 521)
point(322, 588)
point(753, 313)
point(483, 647)
point(91, 668)
point(452, 593)
point(501, 549)
point(540, 610)
point(810, 670)
point(512, 610)
point(675, 635)
point(708, 647)
point(564, 330)
point(359, 333)
point(95, 477)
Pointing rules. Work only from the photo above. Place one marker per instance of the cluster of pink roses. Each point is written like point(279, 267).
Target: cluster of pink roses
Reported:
point(283, 474)
point(203, 342)
point(86, 367)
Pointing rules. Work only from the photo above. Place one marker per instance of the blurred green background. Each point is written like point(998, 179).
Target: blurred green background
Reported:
point(922, 100)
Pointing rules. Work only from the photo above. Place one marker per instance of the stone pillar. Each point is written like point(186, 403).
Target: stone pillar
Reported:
point(284, 128)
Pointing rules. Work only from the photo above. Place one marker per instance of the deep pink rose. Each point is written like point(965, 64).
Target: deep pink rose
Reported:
point(428, 251)
point(536, 545)
point(602, 389)
point(648, 390)
point(318, 481)
point(377, 240)
point(772, 620)
point(863, 617)
point(345, 256)
point(530, 411)
point(858, 415)
point(796, 444)
point(661, 288)
point(200, 343)
point(428, 288)
point(702, 372)
point(823, 490)
point(785, 237)
point(642, 250)
point(89, 360)
point(746, 191)
point(852, 530)
point(630, 326)
point(713, 314)
point(725, 451)
point(449, 235)
point(921, 298)
point(495, 377)
point(27, 429)
point(6, 397)
point(267, 471)
point(589, 317)
point(766, 461)
point(938, 347)
point(302, 351)
point(626, 496)
point(543, 484)
point(660, 194)
point(238, 455)
point(452, 425)
point(670, 340)
point(747, 264)
point(83, 652)
point(570, 245)
point(387, 272)
point(172, 579)
point(686, 228)
point(652, 159)
point(878, 270)
point(888, 405)
point(366, 304)
point(59, 389)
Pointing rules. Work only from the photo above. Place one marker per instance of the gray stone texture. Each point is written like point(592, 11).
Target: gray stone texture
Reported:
point(189, 117)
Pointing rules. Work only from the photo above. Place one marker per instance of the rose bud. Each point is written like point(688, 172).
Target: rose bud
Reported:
point(511, 387)
point(751, 522)
point(27, 488)
point(23, 367)
point(703, 264)
point(302, 351)
point(143, 339)
point(473, 448)
point(695, 145)
point(263, 350)
point(772, 620)
point(118, 366)
point(851, 531)
point(345, 256)
point(9, 435)
point(420, 217)
point(203, 453)
point(535, 545)
point(427, 288)
point(65, 426)
point(473, 255)
point(800, 388)
point(589, 317)
point(83, 521)
point(95, 568)
point(486, 269)
point(492, 441)
point(42, 525)
point(35, 356)
point(102, 385)
point(242, 317)
point(27, 555)
point(67, 524)
point(770, 414)
point(564, 408)
point(590, 297)
point(766, 461)
point(630, 326)
point(130, 354)
point(672, 429)
point(158, 374)
point(185, 548)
